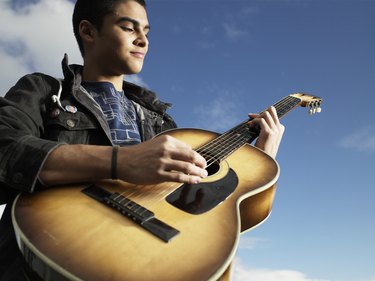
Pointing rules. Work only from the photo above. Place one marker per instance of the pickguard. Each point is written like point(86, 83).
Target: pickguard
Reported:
point(200, 198)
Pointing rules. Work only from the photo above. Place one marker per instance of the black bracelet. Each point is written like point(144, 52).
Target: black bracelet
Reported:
point(114, 163)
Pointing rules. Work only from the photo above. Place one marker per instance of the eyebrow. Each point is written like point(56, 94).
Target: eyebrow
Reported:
point(133, 21)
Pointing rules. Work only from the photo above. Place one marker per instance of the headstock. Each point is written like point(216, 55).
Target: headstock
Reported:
point(310, 101)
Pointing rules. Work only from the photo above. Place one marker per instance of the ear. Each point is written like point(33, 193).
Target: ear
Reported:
point(87, 31)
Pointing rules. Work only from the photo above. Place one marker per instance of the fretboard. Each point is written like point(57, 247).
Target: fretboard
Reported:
point(224, 145)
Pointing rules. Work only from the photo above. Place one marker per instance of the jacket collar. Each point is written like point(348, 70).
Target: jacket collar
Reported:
point(148, 99)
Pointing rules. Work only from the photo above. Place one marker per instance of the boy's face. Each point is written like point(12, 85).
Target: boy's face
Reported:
point(121, 44)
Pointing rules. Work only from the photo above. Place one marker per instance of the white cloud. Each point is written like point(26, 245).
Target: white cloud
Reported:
point(243, 273)
point(136, 79)
point(12, 69)
point(233, 32)
point(236, 25)
point(222, 112)
point(250, 242)
point(362, 140)
point(34, 38)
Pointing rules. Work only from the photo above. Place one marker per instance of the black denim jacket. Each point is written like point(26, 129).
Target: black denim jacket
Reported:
point(34, 120)
point(40, 113)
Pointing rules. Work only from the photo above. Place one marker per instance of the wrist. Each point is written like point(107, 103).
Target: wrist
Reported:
point(114, 162)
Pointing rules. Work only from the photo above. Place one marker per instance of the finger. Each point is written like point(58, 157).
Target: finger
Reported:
point(272, 111)
point(183, 178)
point(253, 115)
point(266, 115)
point(176, 149)
point(178, 176)
point(264, 125)
point(189, 156)
point(268, 119)
point(186, 168)
point(254, 122)
point(276, 125)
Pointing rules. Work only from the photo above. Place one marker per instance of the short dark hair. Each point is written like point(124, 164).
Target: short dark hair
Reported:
point(94, 11)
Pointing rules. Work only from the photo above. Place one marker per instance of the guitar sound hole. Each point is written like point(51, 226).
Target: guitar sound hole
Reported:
point(213, 168)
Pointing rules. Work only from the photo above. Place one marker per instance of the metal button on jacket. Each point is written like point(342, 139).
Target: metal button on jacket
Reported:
point(71, 123)
point(55, 113)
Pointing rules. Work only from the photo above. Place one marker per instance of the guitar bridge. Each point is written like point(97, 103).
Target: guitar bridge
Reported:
point(133, 211)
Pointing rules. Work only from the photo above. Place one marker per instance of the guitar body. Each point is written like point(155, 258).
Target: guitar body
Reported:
point(66, 235)
point(114, 231)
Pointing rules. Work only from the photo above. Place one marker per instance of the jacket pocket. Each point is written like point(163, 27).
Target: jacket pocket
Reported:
point(72, 128)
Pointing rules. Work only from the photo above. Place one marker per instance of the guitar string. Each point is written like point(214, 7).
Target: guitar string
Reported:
point(218, 141)
point(234, 143)
point(233, 139)
point(144, 195)
point(221, 148)
point(240, 130)
point(163, 192)
point(209, 150)
point(141, 193)
point(282, 107)
point(128, 198)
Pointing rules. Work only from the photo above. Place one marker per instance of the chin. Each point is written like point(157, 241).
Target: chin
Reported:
point(133, 70)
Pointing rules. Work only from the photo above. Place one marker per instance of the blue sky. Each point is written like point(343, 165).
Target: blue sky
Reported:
point(217, 60)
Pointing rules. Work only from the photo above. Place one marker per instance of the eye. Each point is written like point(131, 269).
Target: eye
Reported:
point(125, 28)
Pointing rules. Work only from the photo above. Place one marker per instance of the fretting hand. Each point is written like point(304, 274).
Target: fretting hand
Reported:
point(271, 130)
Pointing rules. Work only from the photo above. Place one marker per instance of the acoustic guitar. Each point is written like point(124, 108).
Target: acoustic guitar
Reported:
point(113, 230)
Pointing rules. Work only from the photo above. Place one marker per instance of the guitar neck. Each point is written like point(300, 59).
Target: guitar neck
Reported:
point(285, 105)
point(227, 143)
point(282, 108)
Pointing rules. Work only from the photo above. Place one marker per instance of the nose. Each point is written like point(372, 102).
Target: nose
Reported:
point(141, 40)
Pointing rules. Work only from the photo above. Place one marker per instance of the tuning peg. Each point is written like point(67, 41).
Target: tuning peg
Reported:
point(314, 110)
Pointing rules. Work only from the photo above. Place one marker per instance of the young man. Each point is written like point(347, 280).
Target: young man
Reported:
point(59, 132)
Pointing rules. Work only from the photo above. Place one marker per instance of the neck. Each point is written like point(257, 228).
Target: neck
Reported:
point(91, 74)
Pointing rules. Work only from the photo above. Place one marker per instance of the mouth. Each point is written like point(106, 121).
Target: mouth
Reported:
point(138, 55)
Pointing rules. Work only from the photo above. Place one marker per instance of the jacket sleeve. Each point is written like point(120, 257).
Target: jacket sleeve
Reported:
point(22, 148)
